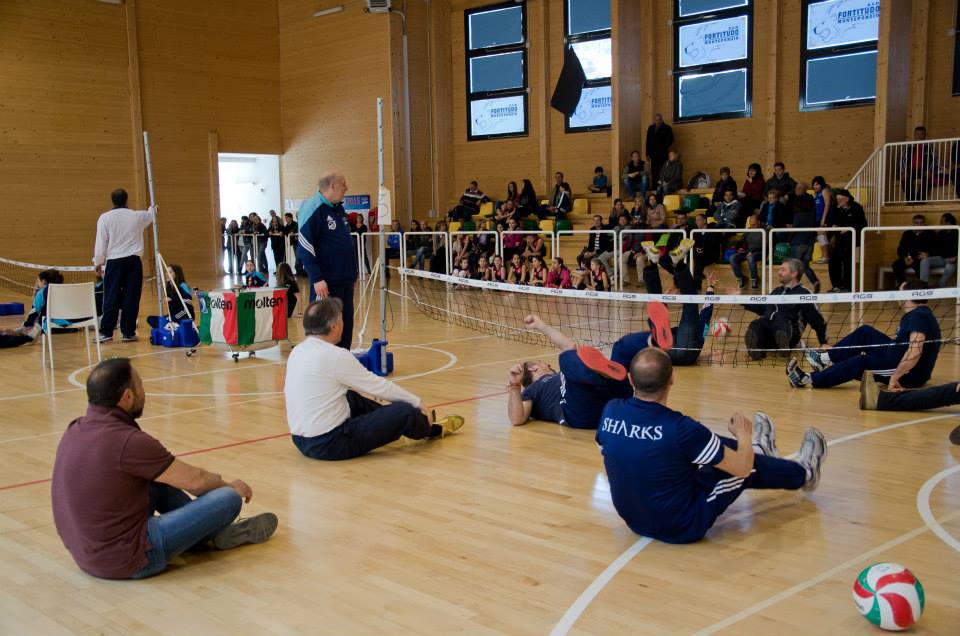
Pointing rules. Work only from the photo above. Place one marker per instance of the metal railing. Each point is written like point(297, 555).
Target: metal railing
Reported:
point(877, 230)
point(813, 231)
point(547, 241)
point(613, 271)
point(444, 237)
point(919, 171)
point(764, 256)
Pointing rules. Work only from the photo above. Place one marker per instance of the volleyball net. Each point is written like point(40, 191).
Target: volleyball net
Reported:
point(20, 278)
point(719, 322)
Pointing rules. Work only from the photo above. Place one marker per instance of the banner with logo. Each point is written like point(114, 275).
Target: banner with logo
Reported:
point(242, 318)
point(841, 22)
point(595, 108)
point(497, 116)
point(714, 41)
point(356, 203)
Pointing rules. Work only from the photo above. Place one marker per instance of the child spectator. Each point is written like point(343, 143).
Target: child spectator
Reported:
point(600, 183)
point(634, 176)
point(33, 324)
point(559, 275)
point(251, 277)
point(462, 270)
point(616, 211)
point(483, 269)
point(179, 294)
point(725, 182)
point(498, 273)
point(538, 273)
point(517, 272)
point(285, 278)
point(578, 277)
point(534, 246)
point(773, 213)
point(598, 280)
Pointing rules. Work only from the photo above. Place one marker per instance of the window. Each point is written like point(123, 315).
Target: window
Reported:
point(587, 24)
point(713, 59)
point(496, 67)
point(838, 64)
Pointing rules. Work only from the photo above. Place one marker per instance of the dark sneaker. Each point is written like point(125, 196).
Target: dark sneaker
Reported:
point(869, 392)
point(256, 529)
point(815, 359)
point(753, 345)
point(812, 451)
point(599, 363)
point(955, 436)
point(103, 338)
point(132, 338)
point(797, 377)
point(660, 318)
point(764, 435)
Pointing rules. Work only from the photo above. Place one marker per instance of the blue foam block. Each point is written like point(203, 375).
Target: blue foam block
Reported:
point(11, 309)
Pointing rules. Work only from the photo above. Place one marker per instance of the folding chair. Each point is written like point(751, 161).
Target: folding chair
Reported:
point(75, 303)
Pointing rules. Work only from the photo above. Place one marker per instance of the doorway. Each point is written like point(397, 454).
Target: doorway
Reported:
point(250, 183)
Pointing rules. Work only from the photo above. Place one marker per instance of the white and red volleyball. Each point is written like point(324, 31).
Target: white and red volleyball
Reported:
point(720, 328)
point(889, 596)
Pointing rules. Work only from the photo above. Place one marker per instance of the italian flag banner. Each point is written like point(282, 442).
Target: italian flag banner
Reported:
point(243, 318)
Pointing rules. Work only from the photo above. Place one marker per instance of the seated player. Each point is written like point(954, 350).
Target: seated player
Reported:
point(10, 338)
point(252, 277)
point(33, 324)
point(780, 326)
point(286, 279)
point(575, 396)
point(179, 297)
point(110, 479)
point(688, 335)
point(671, 477)
point(907, 359)
point(327, 416)
point(875, 397)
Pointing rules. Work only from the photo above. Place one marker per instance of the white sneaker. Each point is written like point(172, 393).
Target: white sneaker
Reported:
point(813, 449)
point(651, 251)
point(678, 253)
point(764, 435)
point(815, 359)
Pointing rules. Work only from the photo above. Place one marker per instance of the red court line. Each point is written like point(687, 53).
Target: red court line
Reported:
point(251, 441)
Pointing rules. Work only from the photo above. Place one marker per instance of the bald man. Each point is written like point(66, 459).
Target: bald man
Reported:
point(326, 248)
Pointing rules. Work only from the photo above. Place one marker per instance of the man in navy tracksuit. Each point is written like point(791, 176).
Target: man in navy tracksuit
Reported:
point(326, 248)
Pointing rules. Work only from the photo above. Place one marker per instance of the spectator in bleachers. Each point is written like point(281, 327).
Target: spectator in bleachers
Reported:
point(599, 245)
point(634, 176)
point(847, 213)
point(725, 182)
point(537, 274)
point(463, 269)
point(638, 216)
point(512, 243)
point(555, 195)
point(615, 212)
point(421, 245)
point(513, 194)
point(558, 277)
point(631, 253)
point(823, 196)
point(707, 247)
point(914, 246)
point(649, 205)
point(505, 211)
point(754, 189)
point(944, 253)
point(438, 263)
point(750, 249)
point(680, 221)
point(799, 200)
point(517, 271)
point(659, 141)
point(729, 213)
point(773, 213)
point(564, 202)
point(483, 271)
point(528, 203)
point(598, 279)
point(470, 202)
point(579, 275)
point(781, 180)
point(534, 245)
point(600, 183)
point(671, 175)
point(917, 167)
point(801, 243)
point(498, 272)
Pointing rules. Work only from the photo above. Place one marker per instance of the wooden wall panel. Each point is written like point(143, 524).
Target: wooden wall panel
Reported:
point(204, 66)
point(65, 129)
point(332, 70)
point(942, 108)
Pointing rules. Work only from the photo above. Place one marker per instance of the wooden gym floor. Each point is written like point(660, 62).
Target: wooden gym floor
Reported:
point(496, 530)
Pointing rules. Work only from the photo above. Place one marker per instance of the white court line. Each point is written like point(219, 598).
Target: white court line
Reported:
point(820, 578)
point(571, 616)
point(923, 507)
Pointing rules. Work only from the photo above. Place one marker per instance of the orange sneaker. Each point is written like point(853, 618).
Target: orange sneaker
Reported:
point(660, 317)
point(596, 361)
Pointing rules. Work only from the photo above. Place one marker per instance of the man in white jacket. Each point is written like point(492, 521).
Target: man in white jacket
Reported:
point(328, 417)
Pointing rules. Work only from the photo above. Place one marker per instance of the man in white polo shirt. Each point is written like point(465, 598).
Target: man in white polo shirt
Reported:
point(327, 416)
point(117, 257)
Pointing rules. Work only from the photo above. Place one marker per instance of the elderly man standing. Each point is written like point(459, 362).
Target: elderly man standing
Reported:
point(326, 248)
point(116, 256)
point(328, 417)
point(118, 495)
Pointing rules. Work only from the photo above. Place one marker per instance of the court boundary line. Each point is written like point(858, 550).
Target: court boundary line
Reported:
point(570, 617)
point(923, 507)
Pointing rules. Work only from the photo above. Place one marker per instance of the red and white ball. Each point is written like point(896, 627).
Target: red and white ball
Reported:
point(720, 328)
point(889, 596)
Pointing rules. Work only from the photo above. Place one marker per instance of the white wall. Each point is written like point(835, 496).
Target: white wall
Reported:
point(249, 183)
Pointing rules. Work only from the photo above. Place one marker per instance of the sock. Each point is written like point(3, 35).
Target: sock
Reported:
point(825, 358)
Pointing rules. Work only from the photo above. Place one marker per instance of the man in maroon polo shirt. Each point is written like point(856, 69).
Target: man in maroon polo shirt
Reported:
point(110, 479)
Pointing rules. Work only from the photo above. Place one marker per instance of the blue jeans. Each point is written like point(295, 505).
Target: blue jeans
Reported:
point(185, 523)
point(421, 254)
point(852, 355)
point(736, 264)
point(634, 189)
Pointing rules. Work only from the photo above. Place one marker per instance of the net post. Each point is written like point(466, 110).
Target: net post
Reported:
point(382, 248)
point(153, 204)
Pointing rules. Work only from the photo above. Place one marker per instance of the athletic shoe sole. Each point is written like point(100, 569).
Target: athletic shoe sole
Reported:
point(764, 435)
point(594, 360)
point(795, 375)
point(256, 529)
point(660, 317)
point(450, 424)
point(813, 359)
point(814, 440)
point(869, 392)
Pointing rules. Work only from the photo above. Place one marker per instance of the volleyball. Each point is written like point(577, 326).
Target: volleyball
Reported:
point(889, 596)
point(720, 328)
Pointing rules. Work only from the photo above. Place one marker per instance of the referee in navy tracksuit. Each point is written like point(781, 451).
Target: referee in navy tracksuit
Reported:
point(326, 248)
